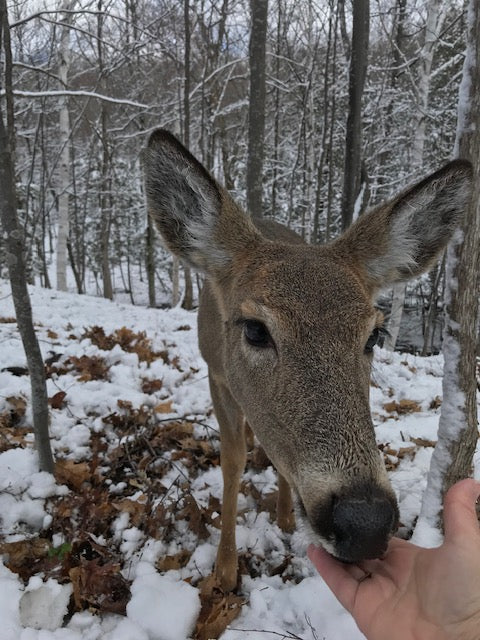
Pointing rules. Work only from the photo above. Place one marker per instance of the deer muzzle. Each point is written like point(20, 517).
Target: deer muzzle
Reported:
point(357, 525)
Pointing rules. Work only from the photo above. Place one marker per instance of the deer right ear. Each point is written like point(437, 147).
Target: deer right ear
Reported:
point(400, 239)
point(195, 216)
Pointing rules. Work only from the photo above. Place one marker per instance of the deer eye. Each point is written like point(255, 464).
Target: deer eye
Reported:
point(257, 334)
point(376, 337)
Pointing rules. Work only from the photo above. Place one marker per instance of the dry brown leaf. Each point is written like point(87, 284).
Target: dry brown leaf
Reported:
point(424, 442)
point(101, 587)
point(52, 335)
point(136, 509)
point(177, 561)
point(17, 552)
point(218, 610)
point(164, 407)
point(56, 401)
point(90, 367)
point(151, 386)
point(71, 473)
point(403, 406)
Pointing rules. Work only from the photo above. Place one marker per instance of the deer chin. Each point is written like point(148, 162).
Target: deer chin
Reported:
point(305, 526)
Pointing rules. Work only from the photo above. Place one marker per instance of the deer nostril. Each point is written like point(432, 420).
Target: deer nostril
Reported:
point(362, 528)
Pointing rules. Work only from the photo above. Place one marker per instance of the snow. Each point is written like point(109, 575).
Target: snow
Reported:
point(163, 605)
point(43, 605)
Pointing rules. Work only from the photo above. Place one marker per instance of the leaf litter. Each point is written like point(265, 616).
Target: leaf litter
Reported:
point(139, 465)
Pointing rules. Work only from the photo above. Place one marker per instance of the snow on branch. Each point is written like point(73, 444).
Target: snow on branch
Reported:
point(83, 94)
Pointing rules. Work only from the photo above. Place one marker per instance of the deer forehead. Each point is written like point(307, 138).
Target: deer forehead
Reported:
point(299, 284)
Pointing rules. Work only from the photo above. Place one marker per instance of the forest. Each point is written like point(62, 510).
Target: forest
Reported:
point(90, 80)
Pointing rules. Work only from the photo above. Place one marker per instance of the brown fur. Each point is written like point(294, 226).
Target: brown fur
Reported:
point(306, 396)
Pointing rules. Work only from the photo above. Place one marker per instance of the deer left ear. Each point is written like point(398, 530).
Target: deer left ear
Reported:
point(196, 217)
point(400, 239)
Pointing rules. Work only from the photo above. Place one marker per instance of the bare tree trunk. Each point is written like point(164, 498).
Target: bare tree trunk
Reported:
point(187, 302)
point(319, 204)
point(175, 281)
point(16, 268)
point(458, 427)
point(256, 109)
point(105, 169)
point(150, 263)
point(353, 140)
point(64, 164)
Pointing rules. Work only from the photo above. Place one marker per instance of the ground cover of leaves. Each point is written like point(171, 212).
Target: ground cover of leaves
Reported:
point(138, 473)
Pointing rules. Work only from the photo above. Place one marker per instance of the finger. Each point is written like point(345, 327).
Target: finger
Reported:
point(459, 513)
point(336, 575)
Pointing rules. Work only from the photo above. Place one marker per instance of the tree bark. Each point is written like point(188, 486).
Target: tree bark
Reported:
point(64, 163)
point(150, 263)
point(256, 109)
point(458, 426)
point(104, 199)
point(187, 302)
point(353, 140)
point(21, 299)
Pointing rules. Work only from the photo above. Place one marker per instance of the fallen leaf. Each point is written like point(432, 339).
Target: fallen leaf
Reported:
point(71, 473)
point(101, 587)
point(151, 386)
point(218, 609)
point(164, 407)
point(403, 406)
point(424, 442)
point(56, 401)
point(177, 561)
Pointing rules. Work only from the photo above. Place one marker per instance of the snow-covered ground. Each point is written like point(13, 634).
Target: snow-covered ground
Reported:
point(137, 439)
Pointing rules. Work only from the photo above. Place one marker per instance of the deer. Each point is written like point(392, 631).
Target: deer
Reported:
point(288, 330)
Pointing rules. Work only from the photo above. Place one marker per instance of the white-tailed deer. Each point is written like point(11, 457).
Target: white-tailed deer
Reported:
point(287, 330)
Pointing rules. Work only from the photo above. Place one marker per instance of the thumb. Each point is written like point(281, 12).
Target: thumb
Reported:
point(459, 510)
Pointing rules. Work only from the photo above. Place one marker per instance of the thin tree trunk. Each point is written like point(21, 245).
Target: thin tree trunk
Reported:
point(319, 205)
point(64, 163)
point(150, 263)
point(187, 302)
point(353, 140)
point(175, 281)
point(105, 209)
point(16, 268)
point(256, 109)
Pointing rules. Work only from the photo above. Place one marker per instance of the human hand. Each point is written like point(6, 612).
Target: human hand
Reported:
point(415, 593)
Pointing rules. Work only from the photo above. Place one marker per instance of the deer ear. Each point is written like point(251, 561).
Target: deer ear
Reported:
point(196, 217)
point(400, 239)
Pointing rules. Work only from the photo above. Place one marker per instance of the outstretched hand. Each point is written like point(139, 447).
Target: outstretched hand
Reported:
point(415, 593)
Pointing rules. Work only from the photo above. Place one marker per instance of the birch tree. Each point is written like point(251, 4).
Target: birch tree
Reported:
point(458, 426)
point(64, 163)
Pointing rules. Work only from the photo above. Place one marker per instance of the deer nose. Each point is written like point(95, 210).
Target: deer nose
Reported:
point(362, 527)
